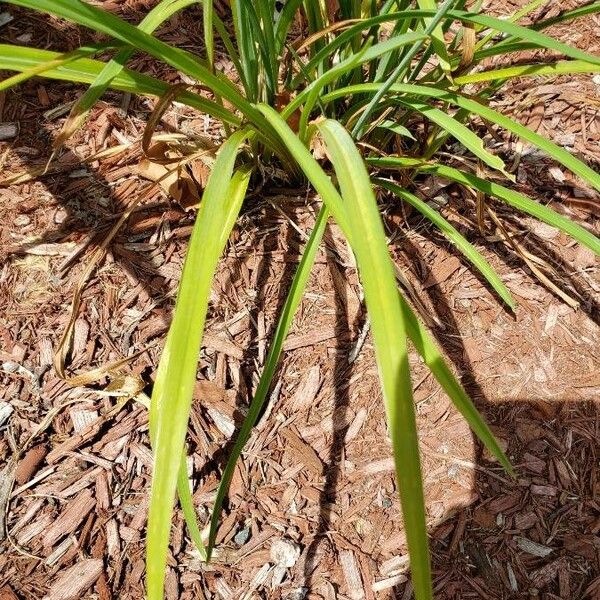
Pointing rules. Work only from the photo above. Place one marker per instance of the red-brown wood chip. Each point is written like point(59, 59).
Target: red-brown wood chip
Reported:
point(71, 584)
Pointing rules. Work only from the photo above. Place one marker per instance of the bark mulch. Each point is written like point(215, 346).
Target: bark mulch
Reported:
point(313, 510)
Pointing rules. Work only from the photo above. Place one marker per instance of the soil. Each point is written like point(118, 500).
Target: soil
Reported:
point(313, 510)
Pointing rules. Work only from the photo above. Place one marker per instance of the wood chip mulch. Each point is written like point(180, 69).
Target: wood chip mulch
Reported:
point(313, 510)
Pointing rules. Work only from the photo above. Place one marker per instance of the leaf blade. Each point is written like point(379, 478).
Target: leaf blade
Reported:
point(456, 238)
point(172, 394)
point(388, 328)
point(559, 154)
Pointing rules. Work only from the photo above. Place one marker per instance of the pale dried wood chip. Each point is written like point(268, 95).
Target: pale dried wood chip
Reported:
point(551, 318)
point(257, 580)
point(394, 564)
point(514, 586)
point(171, 585)
point(225, 425)
point(33, 508)
point(81, 331)
point(532, 547)
point(352, 575)
point(34, 529)
point(394, 542)
point(563, 473)
point(33, 481)
point(81, 483)
point(128, 535)
point(59, 551)
point(525, 520)
point(130, 423)
point(261, 330)
point(309, 339)
point(307, 390)
point(284, 553)
point(82, 418)
point(543, 490)
point(112, 539)
point(142, 453)
point(222, 345)
point(357, 423)
point(58, 249)
point(224, 591)
point(141, 514)
point(303, 452)
point(103, 494)
point(68, 521)
point(385, 584)
point(379, 466)
point(212, 394)
point(74, 442)
point(6, 410)
point(93, 459)
point(73, 582)
point(8, 131)
point(114, 449)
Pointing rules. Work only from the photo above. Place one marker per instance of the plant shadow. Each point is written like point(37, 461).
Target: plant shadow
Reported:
point(534, 536)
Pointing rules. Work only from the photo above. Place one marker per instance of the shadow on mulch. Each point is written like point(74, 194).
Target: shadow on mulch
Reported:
point(536, 534)
point(532, 537)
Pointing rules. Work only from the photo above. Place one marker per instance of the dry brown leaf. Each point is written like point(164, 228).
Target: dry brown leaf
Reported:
point(172, 178)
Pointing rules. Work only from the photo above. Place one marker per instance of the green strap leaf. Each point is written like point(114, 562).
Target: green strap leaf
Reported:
point(511, 197)
point(530, 35)
point(283, 24)
point(396, 128)
point(508, 44)
point(312, 92)
point(85, 70)
point(187, 507)
point(563, 67)
point(56, 62)
point(467, 137)
point(376, 271)
point(559, 154)
point(433, 26)
point(99, 20)
point(437, 35)
point(470, 252)
point(520, 202)
point(208, 12)
point(358, 217)
point(176, 375)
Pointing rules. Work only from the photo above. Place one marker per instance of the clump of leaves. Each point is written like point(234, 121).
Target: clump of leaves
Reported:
point(363, 80)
